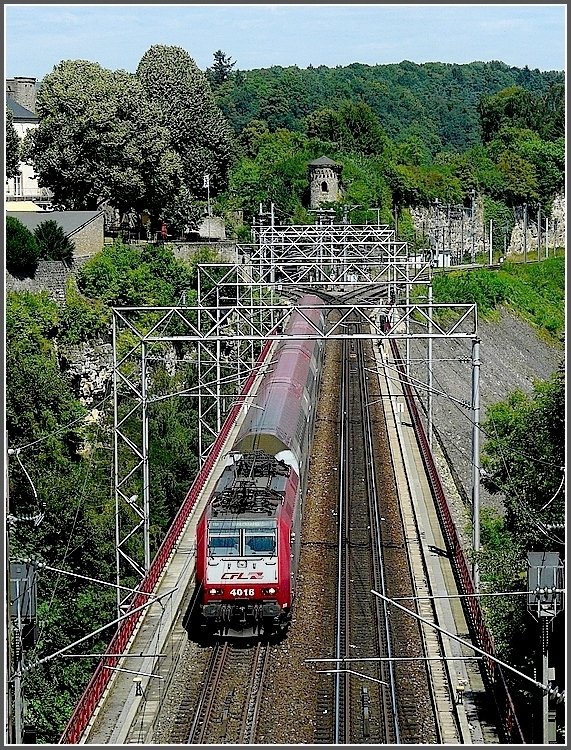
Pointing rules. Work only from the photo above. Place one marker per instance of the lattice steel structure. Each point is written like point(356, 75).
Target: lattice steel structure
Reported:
point(240, 307)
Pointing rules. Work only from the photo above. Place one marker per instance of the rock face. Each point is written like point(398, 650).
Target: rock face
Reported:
point(460, 231)
point(90, 368)
point(511, 355)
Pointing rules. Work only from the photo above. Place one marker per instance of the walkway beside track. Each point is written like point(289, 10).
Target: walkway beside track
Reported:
point(124, 716)
point(463, 723)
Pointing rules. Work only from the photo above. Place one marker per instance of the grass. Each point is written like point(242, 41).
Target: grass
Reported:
point(535, 291)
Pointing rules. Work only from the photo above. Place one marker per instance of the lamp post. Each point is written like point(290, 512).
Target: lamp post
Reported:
point(473, 253)
point(206, 184)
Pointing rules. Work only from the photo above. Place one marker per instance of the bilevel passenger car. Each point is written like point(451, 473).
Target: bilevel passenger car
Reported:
point(248, 537)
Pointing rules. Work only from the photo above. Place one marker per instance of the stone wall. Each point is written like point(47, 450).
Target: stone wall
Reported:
point(452, 228)
point(50, 276)
point(89, 239)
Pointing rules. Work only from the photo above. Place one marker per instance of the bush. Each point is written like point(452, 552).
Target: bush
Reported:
point(82, 319)
point(53, 244)
point(22, 250)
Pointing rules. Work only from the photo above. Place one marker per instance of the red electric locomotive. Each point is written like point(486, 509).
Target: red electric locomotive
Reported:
point(248, 537)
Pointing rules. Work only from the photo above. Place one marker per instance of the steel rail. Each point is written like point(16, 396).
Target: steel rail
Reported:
point(207, 695)
point(339, 689)
point(391, 722)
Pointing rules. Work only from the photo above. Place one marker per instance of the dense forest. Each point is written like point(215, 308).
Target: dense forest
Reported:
point(405, 135)
point(436, 101)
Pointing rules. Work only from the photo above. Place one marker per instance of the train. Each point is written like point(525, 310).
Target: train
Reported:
point(248, 537)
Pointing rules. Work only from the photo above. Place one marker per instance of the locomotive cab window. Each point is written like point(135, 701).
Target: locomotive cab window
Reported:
point(259, 544)
point(223, 545)
point(227, 539)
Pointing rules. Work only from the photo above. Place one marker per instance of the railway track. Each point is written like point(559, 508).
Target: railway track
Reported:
point(364, 710)
point(230, 696)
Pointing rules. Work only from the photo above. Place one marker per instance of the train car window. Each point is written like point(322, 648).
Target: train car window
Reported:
point(259, 545)
point(223, 546)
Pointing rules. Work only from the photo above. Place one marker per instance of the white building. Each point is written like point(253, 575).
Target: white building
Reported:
point(25, 185)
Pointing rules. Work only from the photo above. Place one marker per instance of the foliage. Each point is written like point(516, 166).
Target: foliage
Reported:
point(439, 100)
point(53, 244)
point(529, 473)
point(221, 69)
point(534, 291)
point(82, 319)
point(482, 287)
point(197, 129)
point(123, 275)
point(515, 106)
point(353, 128)
point(12, 147)
point(22, 250)
point(99, 139)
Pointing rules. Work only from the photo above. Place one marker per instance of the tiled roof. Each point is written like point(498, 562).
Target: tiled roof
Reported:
point(19, 112)
point(323, 161)
point(70, 221)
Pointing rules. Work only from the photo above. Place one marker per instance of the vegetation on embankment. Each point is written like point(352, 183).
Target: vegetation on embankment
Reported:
point(522, 456)
point(534, 291)
point(63, 468)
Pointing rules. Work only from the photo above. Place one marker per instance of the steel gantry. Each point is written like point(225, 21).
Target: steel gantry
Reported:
point(213, 344)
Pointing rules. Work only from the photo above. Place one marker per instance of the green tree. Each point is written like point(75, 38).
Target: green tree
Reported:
point(22, 250)
point(524, 458)
point(52, 241)
point(99, 139)
point(221, 69)
point(198, 131)
point(513, 106)
point(12, 147)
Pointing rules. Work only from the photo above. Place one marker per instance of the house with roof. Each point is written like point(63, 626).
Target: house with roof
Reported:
point(84, 228)
point(24, 187)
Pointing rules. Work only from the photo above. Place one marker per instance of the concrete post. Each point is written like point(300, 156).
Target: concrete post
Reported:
point(476, 459)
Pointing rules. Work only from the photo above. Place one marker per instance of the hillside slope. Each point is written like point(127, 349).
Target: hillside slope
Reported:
point(512, 356)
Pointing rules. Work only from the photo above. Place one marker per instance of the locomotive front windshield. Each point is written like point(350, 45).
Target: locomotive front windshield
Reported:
point(232, 538)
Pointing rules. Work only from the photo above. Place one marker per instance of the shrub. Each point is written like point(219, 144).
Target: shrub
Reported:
point(22, 250)
point(52, 241)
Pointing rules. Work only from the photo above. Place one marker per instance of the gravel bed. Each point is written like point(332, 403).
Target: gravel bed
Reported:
point(290, 706)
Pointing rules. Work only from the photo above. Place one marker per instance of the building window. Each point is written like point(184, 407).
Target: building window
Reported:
point(324, 187)
point(18, 185)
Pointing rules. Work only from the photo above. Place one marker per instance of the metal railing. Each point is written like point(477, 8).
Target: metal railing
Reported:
point(494, 675)
point(94, 691)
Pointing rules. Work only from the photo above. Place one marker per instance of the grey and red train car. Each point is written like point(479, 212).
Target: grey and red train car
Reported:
point(248, 537)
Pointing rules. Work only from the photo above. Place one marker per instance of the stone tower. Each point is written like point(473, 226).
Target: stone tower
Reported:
point(22, 89)
point(324, 177)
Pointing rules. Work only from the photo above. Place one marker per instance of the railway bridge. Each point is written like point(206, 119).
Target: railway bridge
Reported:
point(138, 693)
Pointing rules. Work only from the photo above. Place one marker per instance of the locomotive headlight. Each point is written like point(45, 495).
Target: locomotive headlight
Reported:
point(215, 591)
point(269, 591)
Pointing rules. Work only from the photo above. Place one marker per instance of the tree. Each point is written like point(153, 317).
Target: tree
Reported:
point(22, 251)
point(198, 131)
point(52, 241)
point(12, 147)
point(99, 140)
point(221, 69)
point(512, 107)
point(524, 457)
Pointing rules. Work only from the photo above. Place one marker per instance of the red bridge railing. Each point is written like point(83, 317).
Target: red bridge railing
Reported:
point(493, 671)
point(94, 691)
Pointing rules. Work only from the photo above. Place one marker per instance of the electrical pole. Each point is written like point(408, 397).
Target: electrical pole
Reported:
point(491, 244)
point(476, 459)
point(539, 233)
point(473, 254)
point(525, 232)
